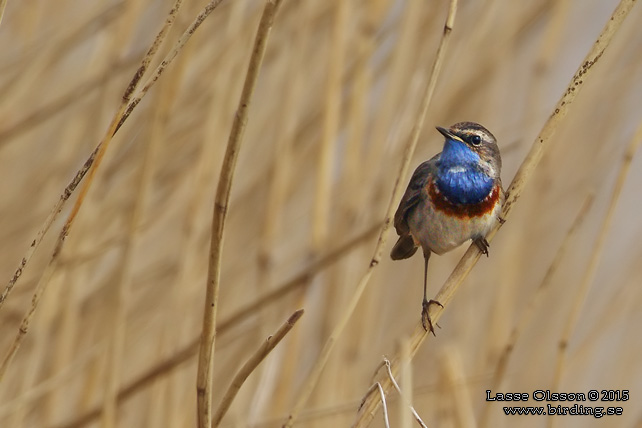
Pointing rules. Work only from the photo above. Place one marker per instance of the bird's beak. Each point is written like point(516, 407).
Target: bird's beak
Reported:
point(449, 135)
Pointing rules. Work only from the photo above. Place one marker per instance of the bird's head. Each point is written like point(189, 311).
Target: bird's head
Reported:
point(468, 144)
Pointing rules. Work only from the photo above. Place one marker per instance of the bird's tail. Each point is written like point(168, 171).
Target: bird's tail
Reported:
point(404, 248)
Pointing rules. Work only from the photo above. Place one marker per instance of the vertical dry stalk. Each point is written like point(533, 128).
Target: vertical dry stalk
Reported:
point(128, 104)
point(456, 382)
point(187, 34)
point(406, 394)
point(522, 176)
point(356, 119)
point(26, 320)
point(323, 201)
point(89, 169)
point(274, 382)
point(315, 373)
point(54, 383)
point(185, 353)
point(3, 4)
point(405, 421)
point(302, 279)
point(118, 294)
point(92, 163)
point(252, 363)
point(57, 103)
point(594, 261)
point(533, 303)
point(208, 337)
point(119, 291)
point(40, 63)
point(377, 387)
point(102, 58)
point(396, 76)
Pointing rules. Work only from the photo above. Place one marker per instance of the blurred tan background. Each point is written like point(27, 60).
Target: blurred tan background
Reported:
point(335, 102)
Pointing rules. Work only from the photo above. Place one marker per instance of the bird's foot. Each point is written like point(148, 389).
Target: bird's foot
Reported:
point(425, 316)
point(483, 245)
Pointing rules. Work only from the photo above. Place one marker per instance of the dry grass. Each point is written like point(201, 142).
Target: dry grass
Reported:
point(113, 339)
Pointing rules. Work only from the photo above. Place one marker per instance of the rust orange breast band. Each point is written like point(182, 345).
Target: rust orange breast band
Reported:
point(442, 204)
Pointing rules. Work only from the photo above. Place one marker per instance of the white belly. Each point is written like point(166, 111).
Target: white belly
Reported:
point(440, 232)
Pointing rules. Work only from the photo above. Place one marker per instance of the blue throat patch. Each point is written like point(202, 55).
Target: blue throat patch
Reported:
point(459, 178)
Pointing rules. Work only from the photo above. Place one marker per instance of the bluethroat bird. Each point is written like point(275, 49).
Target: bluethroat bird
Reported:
point(453, 197)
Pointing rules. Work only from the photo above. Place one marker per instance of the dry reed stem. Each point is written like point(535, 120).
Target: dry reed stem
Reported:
point(135, 386)
point(331, 115)
point(91, 164)
point(37, 64)
point(407, 391)
point(280, 175)
point(164, 312)
point(355, 119)
point(89, 169)
point(594, 261)
point(118, 294)
point(300, 280)
point(26, 320)
point(316, 370)
point(187, 34)
point(513, 193)
point(377, 387)
point(275, 380)
point(251, 364)
point(168, 401)
point(405, 421)
point(221, 201)
point(38, 391)
point(188, 351)
point(58, 105)
point(119, 291)
point(457, 383)
point(316, 413)
point(3, 4)
point(396, 79)
point(528, 313)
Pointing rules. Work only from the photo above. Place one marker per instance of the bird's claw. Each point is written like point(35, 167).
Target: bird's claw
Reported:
point(426, 322)
point(483, 245)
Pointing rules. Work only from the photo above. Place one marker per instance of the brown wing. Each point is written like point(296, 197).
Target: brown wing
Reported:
point(414, 194)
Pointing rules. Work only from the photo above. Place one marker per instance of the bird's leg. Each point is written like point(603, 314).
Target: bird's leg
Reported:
point(425, 304)
point(482, 244)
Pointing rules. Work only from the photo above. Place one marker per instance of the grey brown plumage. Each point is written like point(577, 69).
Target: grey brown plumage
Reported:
point(453, 197)
point(415, 193)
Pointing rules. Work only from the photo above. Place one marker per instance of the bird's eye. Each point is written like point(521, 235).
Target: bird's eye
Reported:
point(475, 140)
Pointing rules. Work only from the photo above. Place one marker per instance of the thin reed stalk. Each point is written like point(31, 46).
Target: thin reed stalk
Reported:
point(187, 352)
point(113, 323)
point(3, 4)
point(89, 168)
point(251, 364)
point(315, 373)
point(92, 163)
point(221, 201)
point(528, 313)
point(524, 173)
point(594, 260)
point(331, 115)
